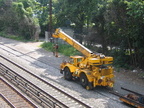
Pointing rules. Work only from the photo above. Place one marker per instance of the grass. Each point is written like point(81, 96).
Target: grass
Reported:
point(68, 50)
point(18, 38)
point(64, 49)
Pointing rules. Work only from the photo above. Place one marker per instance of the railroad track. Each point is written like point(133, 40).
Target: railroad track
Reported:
point(101, 92)
point(13, 97)
point(18, 54)
point(53, 97)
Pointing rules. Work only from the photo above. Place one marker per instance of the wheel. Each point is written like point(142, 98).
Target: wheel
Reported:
point(67, 74)
point(84, 80)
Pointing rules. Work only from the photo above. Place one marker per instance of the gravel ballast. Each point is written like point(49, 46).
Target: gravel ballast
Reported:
point(44, 64)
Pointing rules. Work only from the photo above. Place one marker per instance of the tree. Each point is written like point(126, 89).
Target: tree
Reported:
point(76, 14)
point(135, 12)
point(23, 22)
point(42, 13)
point(125, 27)
point(115, 23)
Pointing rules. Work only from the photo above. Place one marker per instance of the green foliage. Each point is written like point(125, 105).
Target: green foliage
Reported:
point(66, 50)
point(3, 34)
point(47, 46)
point(19, 9)
point(42, 13)
point(18, 38)
point(115, 23)
point(18, 18)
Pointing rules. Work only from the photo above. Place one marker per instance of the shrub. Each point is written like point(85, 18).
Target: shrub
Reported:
point(64, 49)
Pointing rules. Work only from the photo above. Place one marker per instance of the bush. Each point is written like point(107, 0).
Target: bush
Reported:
point(64, 49)
point(47, 46)
point(15, 37)
point(121, 59)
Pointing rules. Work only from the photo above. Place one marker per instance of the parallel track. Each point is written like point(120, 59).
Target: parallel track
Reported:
point(25, 55)
point(98, 91)
point(55, 97)
point(13, 97)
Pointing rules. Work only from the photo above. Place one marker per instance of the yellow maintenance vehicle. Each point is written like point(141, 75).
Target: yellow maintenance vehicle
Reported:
point(92, 69)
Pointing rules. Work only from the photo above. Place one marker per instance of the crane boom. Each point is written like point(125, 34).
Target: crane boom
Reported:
point(92, 69)
point(60, 34)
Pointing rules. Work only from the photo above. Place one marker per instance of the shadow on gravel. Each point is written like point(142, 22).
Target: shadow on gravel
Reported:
point(51, 65)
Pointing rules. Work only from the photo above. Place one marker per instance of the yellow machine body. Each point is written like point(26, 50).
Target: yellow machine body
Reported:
point(92, 69)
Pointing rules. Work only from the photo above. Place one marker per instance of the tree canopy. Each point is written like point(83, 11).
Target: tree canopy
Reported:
point(117, 25)
point(17, 17)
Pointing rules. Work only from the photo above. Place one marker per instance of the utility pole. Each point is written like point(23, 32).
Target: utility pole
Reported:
point(50, 19)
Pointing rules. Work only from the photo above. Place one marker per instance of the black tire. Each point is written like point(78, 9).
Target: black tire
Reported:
point(83, 80)
point(61, 71)
point(67, 74)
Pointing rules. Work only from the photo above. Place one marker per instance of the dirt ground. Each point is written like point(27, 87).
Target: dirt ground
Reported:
point(130, 79)
point(135, 76)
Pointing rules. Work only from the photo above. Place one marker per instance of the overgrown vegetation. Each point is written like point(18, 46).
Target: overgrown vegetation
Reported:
point(16, 18)
point(64, 49)
point(15, 37)
point(115, 23)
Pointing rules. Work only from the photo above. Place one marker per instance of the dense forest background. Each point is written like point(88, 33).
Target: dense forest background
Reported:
point(117, 25)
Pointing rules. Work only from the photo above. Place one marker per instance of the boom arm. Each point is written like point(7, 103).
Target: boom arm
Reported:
point(60, 34)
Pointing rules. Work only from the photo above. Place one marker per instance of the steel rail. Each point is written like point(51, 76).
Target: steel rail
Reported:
point(80, 102)
point(22, 54)
point(7, 101)
point(24, 83)
point(132, 91)
point(19, 93)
